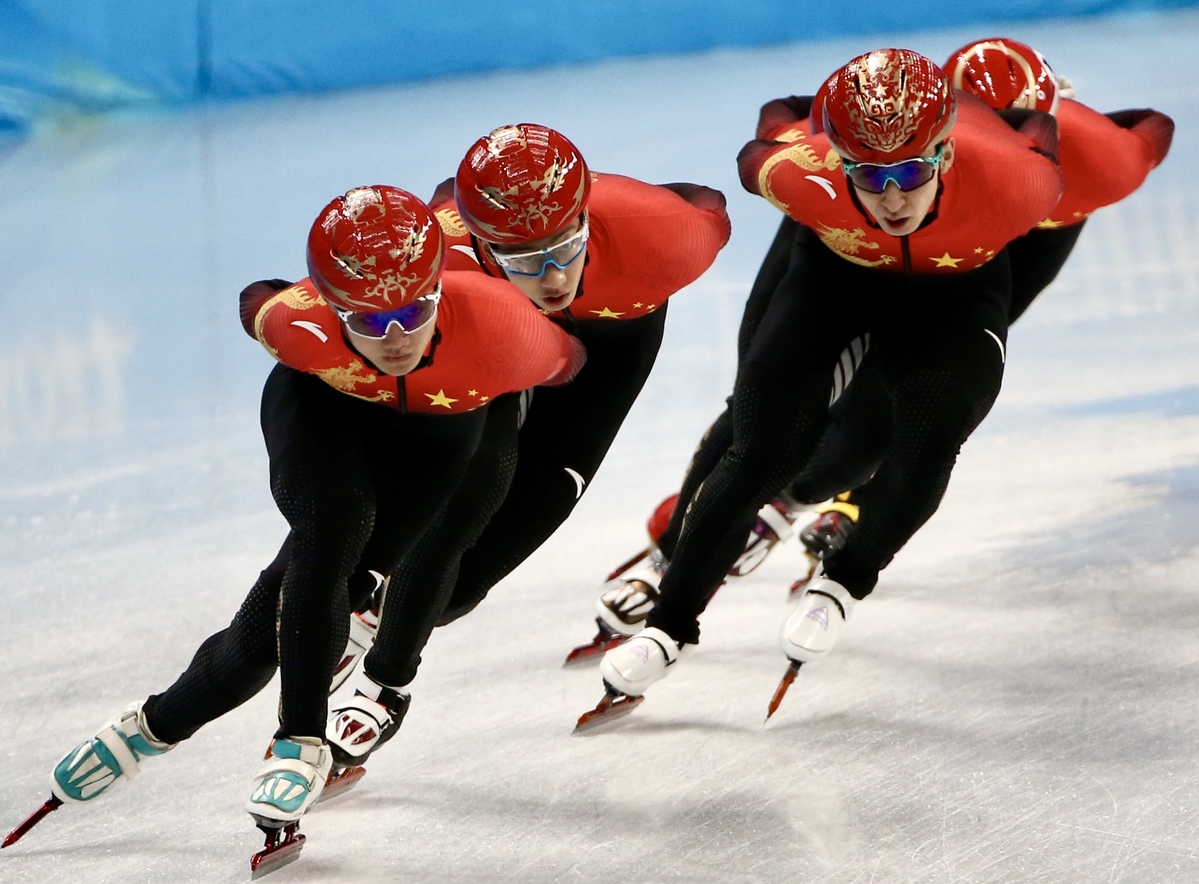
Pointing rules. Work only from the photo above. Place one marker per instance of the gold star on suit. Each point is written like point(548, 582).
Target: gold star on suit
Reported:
point(440, 399)
point(946, 261)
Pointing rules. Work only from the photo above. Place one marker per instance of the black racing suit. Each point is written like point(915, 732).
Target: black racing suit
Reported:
point(860, 422)
point(859, 427)
point(357, 483)
point(524, 482)
point(939, 341)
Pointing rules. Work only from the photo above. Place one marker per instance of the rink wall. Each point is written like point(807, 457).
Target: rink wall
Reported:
point(94, 55)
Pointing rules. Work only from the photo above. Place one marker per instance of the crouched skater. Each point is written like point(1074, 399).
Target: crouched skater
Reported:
point(386, 368)
point(904, 201)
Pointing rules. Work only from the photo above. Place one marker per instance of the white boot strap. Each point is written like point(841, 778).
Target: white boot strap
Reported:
point(121, 751)
point(376, 712)
point(777, 521)
point(363, 630)
point(277, 765)
point(363, 684)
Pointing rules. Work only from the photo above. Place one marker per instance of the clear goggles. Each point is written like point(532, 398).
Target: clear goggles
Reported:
point(907, 174)
point(535, 263)
point(410, 318)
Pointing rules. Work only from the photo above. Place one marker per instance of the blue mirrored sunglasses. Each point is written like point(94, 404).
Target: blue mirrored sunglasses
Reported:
point(535, 263)
point(410, 318)
point(907, 174)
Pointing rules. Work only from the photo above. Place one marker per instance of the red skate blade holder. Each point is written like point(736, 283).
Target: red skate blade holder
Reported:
point(614, 705)
point(340, 782)
point(283, 846)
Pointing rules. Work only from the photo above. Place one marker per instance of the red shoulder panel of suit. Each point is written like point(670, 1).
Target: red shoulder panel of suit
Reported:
point(1001, 184)
point(492, 341)
point(647, 242)
point(1105, 157)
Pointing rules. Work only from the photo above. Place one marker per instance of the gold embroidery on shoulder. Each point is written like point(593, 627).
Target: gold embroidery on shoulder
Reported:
point(295, 297)
point(451, 222)
point(799, 153)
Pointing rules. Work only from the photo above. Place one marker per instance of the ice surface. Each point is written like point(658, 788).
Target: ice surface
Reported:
point(1016, 702)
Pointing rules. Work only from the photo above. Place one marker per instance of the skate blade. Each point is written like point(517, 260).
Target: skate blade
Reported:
point(597, 647)
point(609, 709)
point(52, 803)
point(340, 782)
point(283, 846)
point(626, 565)
point(781, 690)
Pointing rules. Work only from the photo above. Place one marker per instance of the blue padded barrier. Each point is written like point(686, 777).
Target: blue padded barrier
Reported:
point(94, 55)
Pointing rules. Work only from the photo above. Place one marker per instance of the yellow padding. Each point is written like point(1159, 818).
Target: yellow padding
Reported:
point(840, 506)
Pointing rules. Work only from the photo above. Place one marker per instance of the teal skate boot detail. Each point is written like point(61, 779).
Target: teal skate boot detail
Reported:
point(113, 754)
point(292, 780)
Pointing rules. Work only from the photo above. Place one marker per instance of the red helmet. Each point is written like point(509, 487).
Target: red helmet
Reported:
point(375, 249)
point(659, 519)
point(887, 105)
point(521, 183)
point(1004, 73)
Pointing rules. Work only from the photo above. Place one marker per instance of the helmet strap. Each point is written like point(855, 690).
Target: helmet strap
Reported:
point(483, 256)
point(427, 359)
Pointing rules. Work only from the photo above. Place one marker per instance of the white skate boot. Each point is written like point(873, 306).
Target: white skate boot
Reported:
point(622, 607)
point(632, 667)
point(290, 782)
point(628, 669)
point(815, 624)
point(627, 600)
point(365, 721)
point(811, 629)
point(364, 626)
point(113, 754)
